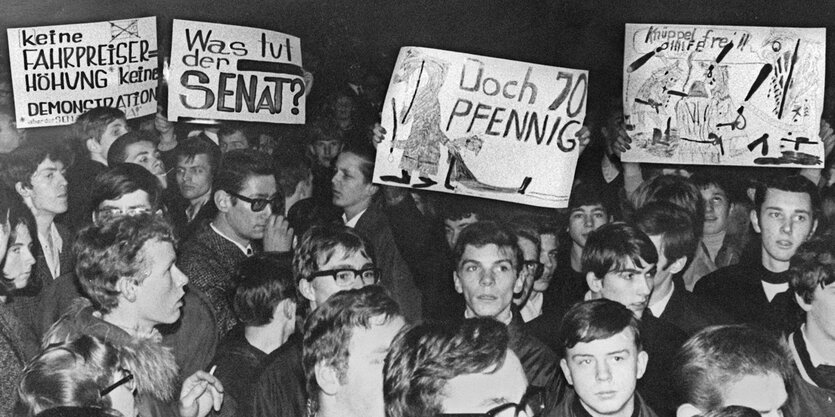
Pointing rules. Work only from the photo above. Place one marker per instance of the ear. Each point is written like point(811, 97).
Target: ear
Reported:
point(566, 371)
point(22, 190)
point(755, 223)
point(643, 358)
point(372, 188)
point(223, 201)
point(457, 281)
point(92, 145)
point(678, 265)
point(286, 309)
point(595, 284)
point(688, 410)
point(306, 289)
point(807, 307)
point(327, 378)
point(127, 288)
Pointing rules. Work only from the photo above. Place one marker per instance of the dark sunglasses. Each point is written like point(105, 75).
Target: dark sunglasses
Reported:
point(532, 404)
point(259, 204)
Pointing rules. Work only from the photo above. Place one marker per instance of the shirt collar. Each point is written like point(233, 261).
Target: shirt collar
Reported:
point(247, 250)
point(354, 220)
point(659, 307)
point(814, 356)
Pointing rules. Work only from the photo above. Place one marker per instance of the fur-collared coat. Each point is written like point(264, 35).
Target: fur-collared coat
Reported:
point(152, 364)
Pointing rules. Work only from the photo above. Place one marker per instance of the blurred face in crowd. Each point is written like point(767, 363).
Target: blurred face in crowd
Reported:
point(6, 93)
point(112, 132)
point(604, 373)
point(361, 393)
point(480, 392)
point(717, 209)
point(19, 258)
point(630, 285)
point(584, 220)
point(236, 140)
point(246, 223)
point(665, 268)
point(324, 151)
point(319, 289)
point(785, 221)
point(159, 295)
point(194, 176)
point(548, 257)
point(487, 277)
point(453, 228)
point(48, 194)
point(351, 190)
point(130, 204)
point(529, 271)
point(764, 393)
point(343, 108)
point(10, 136)
point(146, 155)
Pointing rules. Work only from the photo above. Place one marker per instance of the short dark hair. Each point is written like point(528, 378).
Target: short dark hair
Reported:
point(792, 184)
point(118, 150)
point(526, 228)
point(13, 207)
point(319, 243)
point(290, 169)
point(812, 266)
point(611, 245)
point(458, 207)
point(239, 165)
point(481, 234)
point(199, 145)
point(585, 194)
point(367, 156)
point(323, 130)
point(673, 224)
point(229, 128)
point(92, 123)
point(719, 355)
point(425, 357)
point(112, 250)
point(596, 320)
point(328, 330)
point(263, 281)
point(704, 178)
point(20, 164)
point(674, 189)
point(125, 178)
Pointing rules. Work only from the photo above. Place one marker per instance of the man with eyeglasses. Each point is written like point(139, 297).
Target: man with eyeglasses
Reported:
point(489, 269)
point(328, 259)
point(528, 301)
point(249, 215)
point(461, 369)
point(602, 360)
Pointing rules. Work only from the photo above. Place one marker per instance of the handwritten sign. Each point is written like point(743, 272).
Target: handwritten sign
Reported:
point(59, 72)
point(235, 73)
point(480, 126)
point(724, 95)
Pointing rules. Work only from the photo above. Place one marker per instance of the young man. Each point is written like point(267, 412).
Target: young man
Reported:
point(324, 143)
point(603, 359)
point(126, 266)
point(36, 173)
point(459, 213)
point(461, 368)
point(733, 365)
point(785, 215)
point(812, 281)
point(246, 197)
point(231, 137)
point(198, 160)
point(294, 177)
point(527, 237)
point(345, 343)
point(327, 260)
point(96, 130)
point(138, 148)
point(620, 263)
point(489, 269)
point(671, 230)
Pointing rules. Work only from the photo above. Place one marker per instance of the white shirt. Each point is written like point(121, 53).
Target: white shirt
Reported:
point(814, 356)
point(353, 222)
point(52, 246)
point(247, 250)
point(771, 290)
point(533, 308)
point(659, 307)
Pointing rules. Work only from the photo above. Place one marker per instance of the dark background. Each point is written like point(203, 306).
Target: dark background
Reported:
point(573, 33)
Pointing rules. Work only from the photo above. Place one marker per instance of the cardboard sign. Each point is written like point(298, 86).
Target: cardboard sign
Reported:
point(228, 72)
point(724, 95)
point(60, 72)
point(487, 127)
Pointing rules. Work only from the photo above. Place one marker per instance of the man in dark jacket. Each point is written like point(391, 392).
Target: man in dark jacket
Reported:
point(603, 359)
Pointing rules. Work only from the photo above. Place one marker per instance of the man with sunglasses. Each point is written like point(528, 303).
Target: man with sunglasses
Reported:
point(328, 259)
point(249, 213)
point(489, 269)
point(462, 369)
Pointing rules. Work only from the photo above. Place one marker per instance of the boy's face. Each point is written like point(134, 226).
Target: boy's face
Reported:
point(319, 289)
point(548, 257)
point(584, 220)
point(487, 277)
point(112, 132)
point(324, 151)
point(630, 285)
point(717, 209)
point(764, 393)
point(785, 221)
point(48, 194)
point(236, 140)
point(604, 372)
point(453, 228)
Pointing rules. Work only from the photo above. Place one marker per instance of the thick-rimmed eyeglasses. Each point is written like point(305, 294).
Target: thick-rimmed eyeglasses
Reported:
point(126, 379)
point(532, 404)
point(259, 204)
point(345, 277)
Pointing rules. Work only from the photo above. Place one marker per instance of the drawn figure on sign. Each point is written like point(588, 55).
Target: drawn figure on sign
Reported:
point(794, 77)
point(422, 147)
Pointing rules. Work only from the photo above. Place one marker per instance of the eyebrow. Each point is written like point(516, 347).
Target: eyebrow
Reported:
point(618, 352)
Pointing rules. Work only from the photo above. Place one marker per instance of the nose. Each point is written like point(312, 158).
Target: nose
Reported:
point(602, 371)
point(588, 221)
point(708, 207)
point(645, 285)
point(62, 181)
point(788, 224)
point(180, 279)
point(487, 279)
point(28, 259)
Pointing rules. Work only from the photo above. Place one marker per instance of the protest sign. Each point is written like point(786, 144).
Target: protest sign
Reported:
point(480, 126)
point(59, 72)
point(228, 72)
point(724, 95)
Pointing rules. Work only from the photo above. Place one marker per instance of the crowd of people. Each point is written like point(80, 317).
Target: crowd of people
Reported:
point(154, 268)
